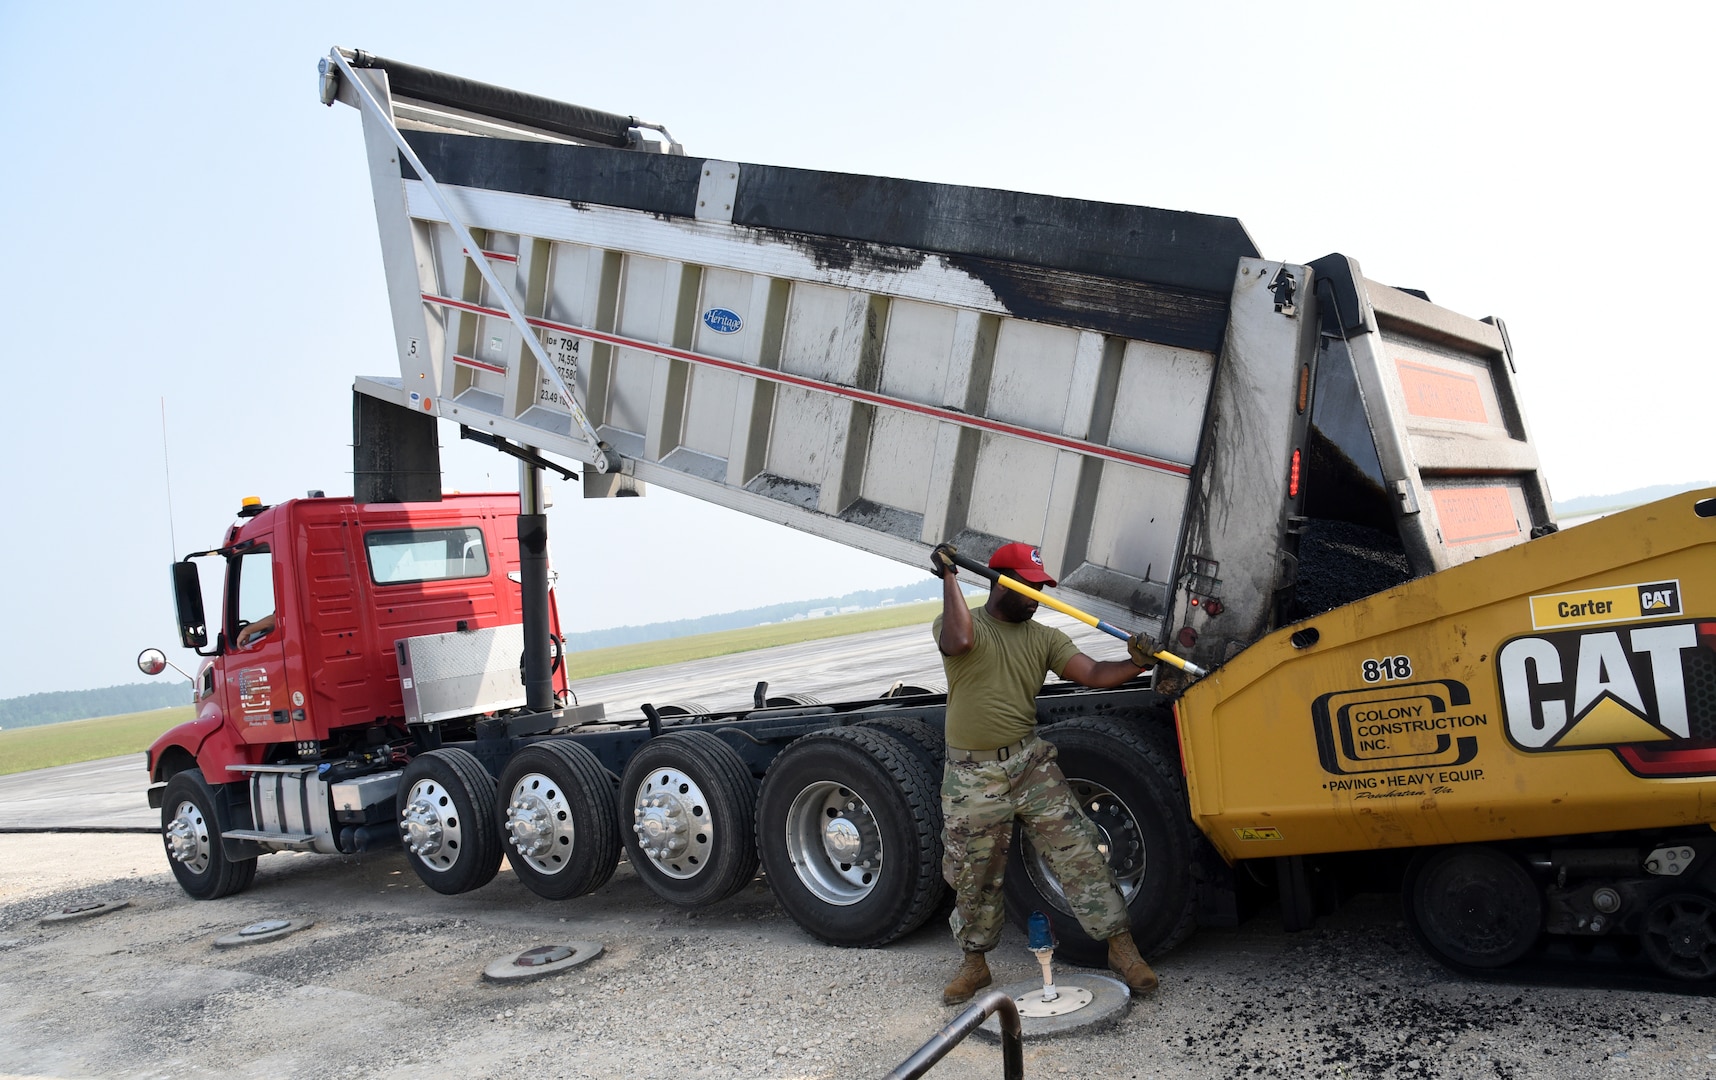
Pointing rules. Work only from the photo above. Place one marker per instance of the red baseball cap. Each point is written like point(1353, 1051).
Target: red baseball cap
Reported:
point(1024, 560)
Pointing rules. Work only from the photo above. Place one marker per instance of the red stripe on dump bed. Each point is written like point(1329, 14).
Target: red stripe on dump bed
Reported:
point(952, 416)
point(478, 364)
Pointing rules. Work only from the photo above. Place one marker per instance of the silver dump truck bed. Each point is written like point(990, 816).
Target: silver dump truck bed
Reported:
point(890, 363)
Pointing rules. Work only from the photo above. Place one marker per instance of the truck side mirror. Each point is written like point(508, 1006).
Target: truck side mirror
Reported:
point(188, 598)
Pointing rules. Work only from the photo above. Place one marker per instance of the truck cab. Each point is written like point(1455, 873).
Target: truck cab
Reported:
point(320, 601)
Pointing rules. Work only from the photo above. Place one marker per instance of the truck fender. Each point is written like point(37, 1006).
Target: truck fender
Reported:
point(205, 743)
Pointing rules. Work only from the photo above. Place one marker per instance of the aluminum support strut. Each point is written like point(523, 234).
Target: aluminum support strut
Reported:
point(601, 456)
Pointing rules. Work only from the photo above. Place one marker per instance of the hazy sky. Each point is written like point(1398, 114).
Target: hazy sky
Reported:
point(185, 221)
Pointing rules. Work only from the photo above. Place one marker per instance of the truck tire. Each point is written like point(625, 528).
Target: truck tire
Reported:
point(555, 817)
point(446, 820)
point(918, 735)
point(192, 835)
point(688, 818)
point(849, 833)
point(1132, 791)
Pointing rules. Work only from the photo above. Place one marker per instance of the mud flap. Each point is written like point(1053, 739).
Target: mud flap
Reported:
point(232, 811)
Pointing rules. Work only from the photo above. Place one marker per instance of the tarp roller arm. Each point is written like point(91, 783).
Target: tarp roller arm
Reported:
point(512, 106)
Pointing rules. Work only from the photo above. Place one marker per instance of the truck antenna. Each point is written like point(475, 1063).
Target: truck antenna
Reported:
point(167, 469)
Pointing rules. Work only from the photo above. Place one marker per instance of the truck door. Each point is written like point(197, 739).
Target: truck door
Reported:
point(258, 698)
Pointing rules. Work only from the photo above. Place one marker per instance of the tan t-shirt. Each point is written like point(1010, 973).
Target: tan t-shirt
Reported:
point(992, 690)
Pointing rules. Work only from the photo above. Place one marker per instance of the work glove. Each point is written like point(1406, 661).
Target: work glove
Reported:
point(1141, 649)
point(941, 559)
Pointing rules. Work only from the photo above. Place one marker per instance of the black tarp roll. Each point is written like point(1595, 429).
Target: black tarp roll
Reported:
point(484, 99)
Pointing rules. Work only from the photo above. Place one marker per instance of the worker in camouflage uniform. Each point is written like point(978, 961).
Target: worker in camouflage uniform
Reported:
point(998, 771)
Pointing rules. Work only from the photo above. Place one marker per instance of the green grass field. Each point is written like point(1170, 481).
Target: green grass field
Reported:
point(109, 736)
point(23, 749)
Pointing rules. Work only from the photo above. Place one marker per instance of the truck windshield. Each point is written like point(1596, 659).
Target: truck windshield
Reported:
point(426, 555)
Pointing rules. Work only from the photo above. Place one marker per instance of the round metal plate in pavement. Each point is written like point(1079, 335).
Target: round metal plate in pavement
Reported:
point(541, 961)
point(262, 930)
point(1109, 999)
point(1067, 999)
point(84, 911)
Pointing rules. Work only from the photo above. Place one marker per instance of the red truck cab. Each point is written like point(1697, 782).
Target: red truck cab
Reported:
point(316, 595)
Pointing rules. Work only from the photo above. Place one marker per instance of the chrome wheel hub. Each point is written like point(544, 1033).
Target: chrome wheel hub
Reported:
point(429, 825)
point(671, 819)
point(1118, 839)
point(187, 837)
point(835, 843)
point(539, 822)
point(850, 837)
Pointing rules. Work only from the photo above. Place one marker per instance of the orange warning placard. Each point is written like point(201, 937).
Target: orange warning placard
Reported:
point(1441, 394)
point(1469, 515)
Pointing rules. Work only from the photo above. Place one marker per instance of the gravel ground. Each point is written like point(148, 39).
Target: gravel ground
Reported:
point(386, 984)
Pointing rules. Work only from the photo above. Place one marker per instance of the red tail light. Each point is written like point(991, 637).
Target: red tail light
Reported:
point(1293, 477)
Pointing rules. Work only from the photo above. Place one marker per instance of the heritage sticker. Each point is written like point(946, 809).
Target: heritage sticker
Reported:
point(1613, 604)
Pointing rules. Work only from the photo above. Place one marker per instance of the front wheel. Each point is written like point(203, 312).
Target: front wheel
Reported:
point(192, 836)
point(446, 819)
point(849, 832)
point(1130, 790)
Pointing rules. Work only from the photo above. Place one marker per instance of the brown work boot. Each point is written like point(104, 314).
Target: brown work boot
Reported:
point(1123, 960)
point(973, 976)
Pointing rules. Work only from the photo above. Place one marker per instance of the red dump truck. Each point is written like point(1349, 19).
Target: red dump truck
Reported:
point(1317, 487)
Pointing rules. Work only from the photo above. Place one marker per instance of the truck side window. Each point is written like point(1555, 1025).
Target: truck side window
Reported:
point(252, 596)
point(396, 558)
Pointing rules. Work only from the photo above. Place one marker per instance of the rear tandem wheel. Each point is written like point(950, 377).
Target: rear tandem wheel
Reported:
point(849, 833)
point(1130, 790)
point(557, 822)
point(688, 817)
point(446, 820)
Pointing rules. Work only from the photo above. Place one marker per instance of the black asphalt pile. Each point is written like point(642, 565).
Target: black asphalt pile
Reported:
point(1340, 562)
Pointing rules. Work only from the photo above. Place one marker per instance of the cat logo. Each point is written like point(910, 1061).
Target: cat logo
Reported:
point(1661, 598)
point(1582, 690)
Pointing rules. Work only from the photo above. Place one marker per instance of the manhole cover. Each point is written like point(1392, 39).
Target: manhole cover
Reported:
point(543, 960)
point(1105, 1000)
point(84, 911)
point(262, 930)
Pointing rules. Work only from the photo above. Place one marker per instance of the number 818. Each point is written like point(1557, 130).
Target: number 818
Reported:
point(1388, 667)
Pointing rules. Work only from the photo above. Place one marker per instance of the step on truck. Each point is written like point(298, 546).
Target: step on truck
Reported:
point(1319, 488)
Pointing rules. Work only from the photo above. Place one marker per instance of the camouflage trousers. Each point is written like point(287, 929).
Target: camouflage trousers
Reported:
point(980, 801)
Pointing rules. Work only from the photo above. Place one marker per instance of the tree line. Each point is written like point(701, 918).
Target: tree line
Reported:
point(57, 705)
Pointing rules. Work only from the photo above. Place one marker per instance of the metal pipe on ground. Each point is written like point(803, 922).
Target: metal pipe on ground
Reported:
point(939, 1044)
